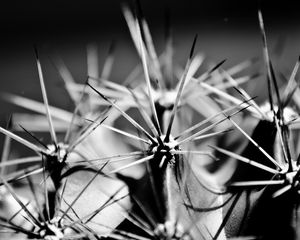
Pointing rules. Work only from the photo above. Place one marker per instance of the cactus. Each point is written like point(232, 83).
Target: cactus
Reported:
point(165, 155)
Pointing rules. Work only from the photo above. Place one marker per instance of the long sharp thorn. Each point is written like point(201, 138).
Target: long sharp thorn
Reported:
point(34, 137)
point(180, 90)
point(140, 161)
point(45, 98)
point(146, 36)
point(126, 133)
point(225, 95)
point(193, 136)
point(245, 160)
point(153, 54)
point(217, 66)
point(147, 78)
point(144, 113)
point(205, 75)
point(22, 141)
point(125, 115)
point(264, 39)
point(209, 135)
point(131, 23)
point(88, 127)
point(257, 183)
point(209, 119)
point(267, 58)
point(244, 94)
point(82, 137)
point(270, 70)
point(122, 132)
point(255, 143)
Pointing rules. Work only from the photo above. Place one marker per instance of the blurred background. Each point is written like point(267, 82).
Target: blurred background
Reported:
point(226, 30)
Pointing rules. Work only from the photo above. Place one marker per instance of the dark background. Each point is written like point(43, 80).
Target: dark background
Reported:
point(227, 30)
point(37, 18)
